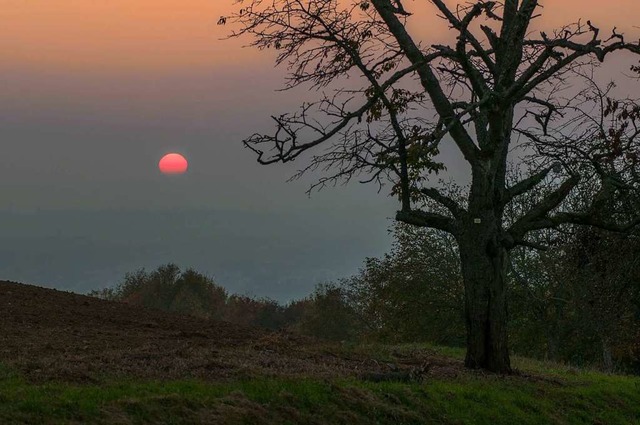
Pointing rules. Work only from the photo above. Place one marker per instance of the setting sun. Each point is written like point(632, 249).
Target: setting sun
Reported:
point(173, 163)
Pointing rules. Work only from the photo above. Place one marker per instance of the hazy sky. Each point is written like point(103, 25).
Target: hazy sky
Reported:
point(94, 92)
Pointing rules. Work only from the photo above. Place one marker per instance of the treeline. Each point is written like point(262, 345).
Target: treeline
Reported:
point(577, 302)
point(171, 289)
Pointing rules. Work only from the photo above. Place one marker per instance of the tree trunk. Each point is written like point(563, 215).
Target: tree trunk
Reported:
point(554, 319)
point(607, 358)
point(484, 268)
point(552, 346)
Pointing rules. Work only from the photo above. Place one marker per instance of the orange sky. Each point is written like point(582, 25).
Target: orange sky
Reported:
point(114, 34)
point(166, 35)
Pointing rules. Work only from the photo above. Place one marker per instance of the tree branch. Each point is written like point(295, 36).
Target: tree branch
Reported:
point(428, 80)
point(527, 82)
point(584, 219)
point(542, 208)
point(527, 184)
point(463, 27)
point(512, 38)
point(426, 219)
point(446, 201)
point(294, 150)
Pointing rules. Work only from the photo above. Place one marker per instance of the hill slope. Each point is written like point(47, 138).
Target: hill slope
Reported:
point(52, 335)
point(67, 358)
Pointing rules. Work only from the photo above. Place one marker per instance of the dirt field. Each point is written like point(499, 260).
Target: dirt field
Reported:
point(54, 335)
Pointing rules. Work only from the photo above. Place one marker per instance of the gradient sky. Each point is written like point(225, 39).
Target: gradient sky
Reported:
point(94, 92)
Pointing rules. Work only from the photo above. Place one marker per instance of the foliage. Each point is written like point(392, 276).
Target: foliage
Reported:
point(167, 288)
point(264, 312)
point(414, 293)
point(330, 315)
point(189, 292)
point(578, 301)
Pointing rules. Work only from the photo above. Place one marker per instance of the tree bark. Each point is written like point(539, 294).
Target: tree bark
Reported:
point(607, 357)
point(484, 268)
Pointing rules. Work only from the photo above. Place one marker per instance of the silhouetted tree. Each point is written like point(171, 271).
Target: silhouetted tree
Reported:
point(498, 89)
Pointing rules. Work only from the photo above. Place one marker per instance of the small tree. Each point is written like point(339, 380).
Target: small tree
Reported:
point(603, 272)
point(497, 89)
point(414, 293)
point(329, 314)
point(167, 288)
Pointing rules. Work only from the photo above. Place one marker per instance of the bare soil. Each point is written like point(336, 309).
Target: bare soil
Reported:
point(53, 335)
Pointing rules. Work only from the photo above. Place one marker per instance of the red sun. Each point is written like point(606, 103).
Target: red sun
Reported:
point(173, 163)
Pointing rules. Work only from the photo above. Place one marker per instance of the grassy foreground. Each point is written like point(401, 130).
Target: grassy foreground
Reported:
point(556, 395)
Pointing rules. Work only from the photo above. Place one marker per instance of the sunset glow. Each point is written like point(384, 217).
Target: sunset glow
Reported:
point(173, 163)
point(140, 36)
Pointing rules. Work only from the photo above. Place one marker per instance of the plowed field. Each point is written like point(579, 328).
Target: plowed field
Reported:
point(52, 335)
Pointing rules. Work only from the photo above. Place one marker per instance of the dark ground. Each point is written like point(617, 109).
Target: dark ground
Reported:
point(53, 335)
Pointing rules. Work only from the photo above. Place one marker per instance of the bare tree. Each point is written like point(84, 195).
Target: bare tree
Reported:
point(387, 101)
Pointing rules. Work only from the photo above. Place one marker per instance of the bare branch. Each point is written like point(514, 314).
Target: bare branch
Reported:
point(446, 201)
point(550, 202)
point(584, 219)
point(426, 219)
point(428, 80)
point(463, 27)
point(286, 154)
point(527, 184)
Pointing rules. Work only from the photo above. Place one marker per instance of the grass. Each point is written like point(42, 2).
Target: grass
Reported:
point(565, 396)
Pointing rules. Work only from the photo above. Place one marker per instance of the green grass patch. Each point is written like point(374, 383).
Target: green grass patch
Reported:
point(580, 398)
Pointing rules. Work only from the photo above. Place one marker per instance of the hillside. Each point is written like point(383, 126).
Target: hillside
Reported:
point(67, 358)
point(52, 335)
